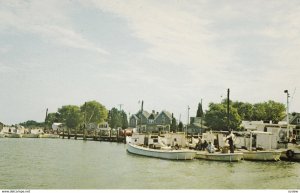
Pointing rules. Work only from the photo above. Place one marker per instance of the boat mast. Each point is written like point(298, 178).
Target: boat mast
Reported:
point(141, 116)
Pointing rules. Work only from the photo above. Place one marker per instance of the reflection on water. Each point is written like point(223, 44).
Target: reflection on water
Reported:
point(71, 164)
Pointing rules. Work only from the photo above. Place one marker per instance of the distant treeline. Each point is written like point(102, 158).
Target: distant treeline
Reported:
point(216, 115)
point(214, 118)
point(74, 117)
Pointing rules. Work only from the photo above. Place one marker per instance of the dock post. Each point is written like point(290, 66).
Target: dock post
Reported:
point(75, 134)
point(109, 135)
point(84, 133)
point(68, 133)
point(118, 135)
point(63, 133)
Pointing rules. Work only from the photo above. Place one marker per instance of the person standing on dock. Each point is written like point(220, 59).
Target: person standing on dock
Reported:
point(230, 141)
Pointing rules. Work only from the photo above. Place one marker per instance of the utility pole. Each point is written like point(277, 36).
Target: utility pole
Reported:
point(84, 126)
point(46, 119)
point(287, 112)
point(228, 91)
point(202, 116)
point(188, 120)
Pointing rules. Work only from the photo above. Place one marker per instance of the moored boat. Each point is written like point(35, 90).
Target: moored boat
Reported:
point(261, 155)
point(168, 153)
point(45, 135)
point(30, 135)
point(170, 146)
point(13, 135)
point(218, 156)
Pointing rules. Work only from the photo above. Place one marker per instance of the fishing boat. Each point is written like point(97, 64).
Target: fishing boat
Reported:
point(261, 151)
point(152, 146)
point(30, 135)
point(13, 135)
point(172, 154)
point(260, 155)
point(219, 156)
point(46, 135)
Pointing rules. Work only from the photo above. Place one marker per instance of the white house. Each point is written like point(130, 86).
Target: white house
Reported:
point(56, 126)
point(37, 131)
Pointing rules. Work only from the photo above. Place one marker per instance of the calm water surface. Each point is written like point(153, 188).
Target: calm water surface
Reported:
point(71, 164)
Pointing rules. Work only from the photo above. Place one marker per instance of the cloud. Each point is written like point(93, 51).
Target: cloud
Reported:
point(244, 45)
point(48, 20)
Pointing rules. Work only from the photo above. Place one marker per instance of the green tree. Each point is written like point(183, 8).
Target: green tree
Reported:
point(52, 118)
point(269, 111)
point(115, 120)
point(94, 112)
point(199, 110)
point(173, 125)
point(32, 124)
point(245, 110)
point(180, 126)
point(71, 116)
point(216, 117)
point(124, 120)
point(259, 111)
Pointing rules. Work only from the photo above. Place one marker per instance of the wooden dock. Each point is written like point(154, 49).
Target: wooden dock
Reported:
point(93, 137)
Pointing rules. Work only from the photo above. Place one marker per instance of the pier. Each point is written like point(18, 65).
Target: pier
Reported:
point(94, 137)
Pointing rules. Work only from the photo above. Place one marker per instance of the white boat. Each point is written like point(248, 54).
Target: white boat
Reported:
point(261, 155)
point(30, 135)
point(45, 135)
point(172, 154)
point(167, 147)
point(13, 135)
point(218, 156)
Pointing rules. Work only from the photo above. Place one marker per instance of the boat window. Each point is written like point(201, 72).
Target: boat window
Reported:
point(155, 140)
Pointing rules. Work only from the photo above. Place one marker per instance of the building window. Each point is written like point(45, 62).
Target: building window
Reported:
point(298, 120)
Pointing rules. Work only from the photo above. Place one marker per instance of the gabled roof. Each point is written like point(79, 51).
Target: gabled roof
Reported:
point(145, 113)
point(293, 117)
point(134, 116)
point(168, 114)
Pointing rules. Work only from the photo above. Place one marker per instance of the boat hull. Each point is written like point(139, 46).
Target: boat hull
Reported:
point(163, 154)
point(262, 155)
point(30, 136)
point(293, 156)
point(226, 157)
point(53, 136)
point(14, 135)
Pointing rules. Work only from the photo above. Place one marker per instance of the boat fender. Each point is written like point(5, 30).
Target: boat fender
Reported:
point(290, 154)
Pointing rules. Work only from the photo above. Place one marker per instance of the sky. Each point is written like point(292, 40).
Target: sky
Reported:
point(170, 54)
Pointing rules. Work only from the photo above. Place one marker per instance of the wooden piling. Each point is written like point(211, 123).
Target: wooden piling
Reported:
point(75, 134)
point(63, 133)
point(68, 133)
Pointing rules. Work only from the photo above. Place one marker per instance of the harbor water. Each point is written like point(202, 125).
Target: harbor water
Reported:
point(77, 164)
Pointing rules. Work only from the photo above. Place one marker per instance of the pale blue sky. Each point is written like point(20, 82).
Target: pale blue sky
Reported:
point(168, 53)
